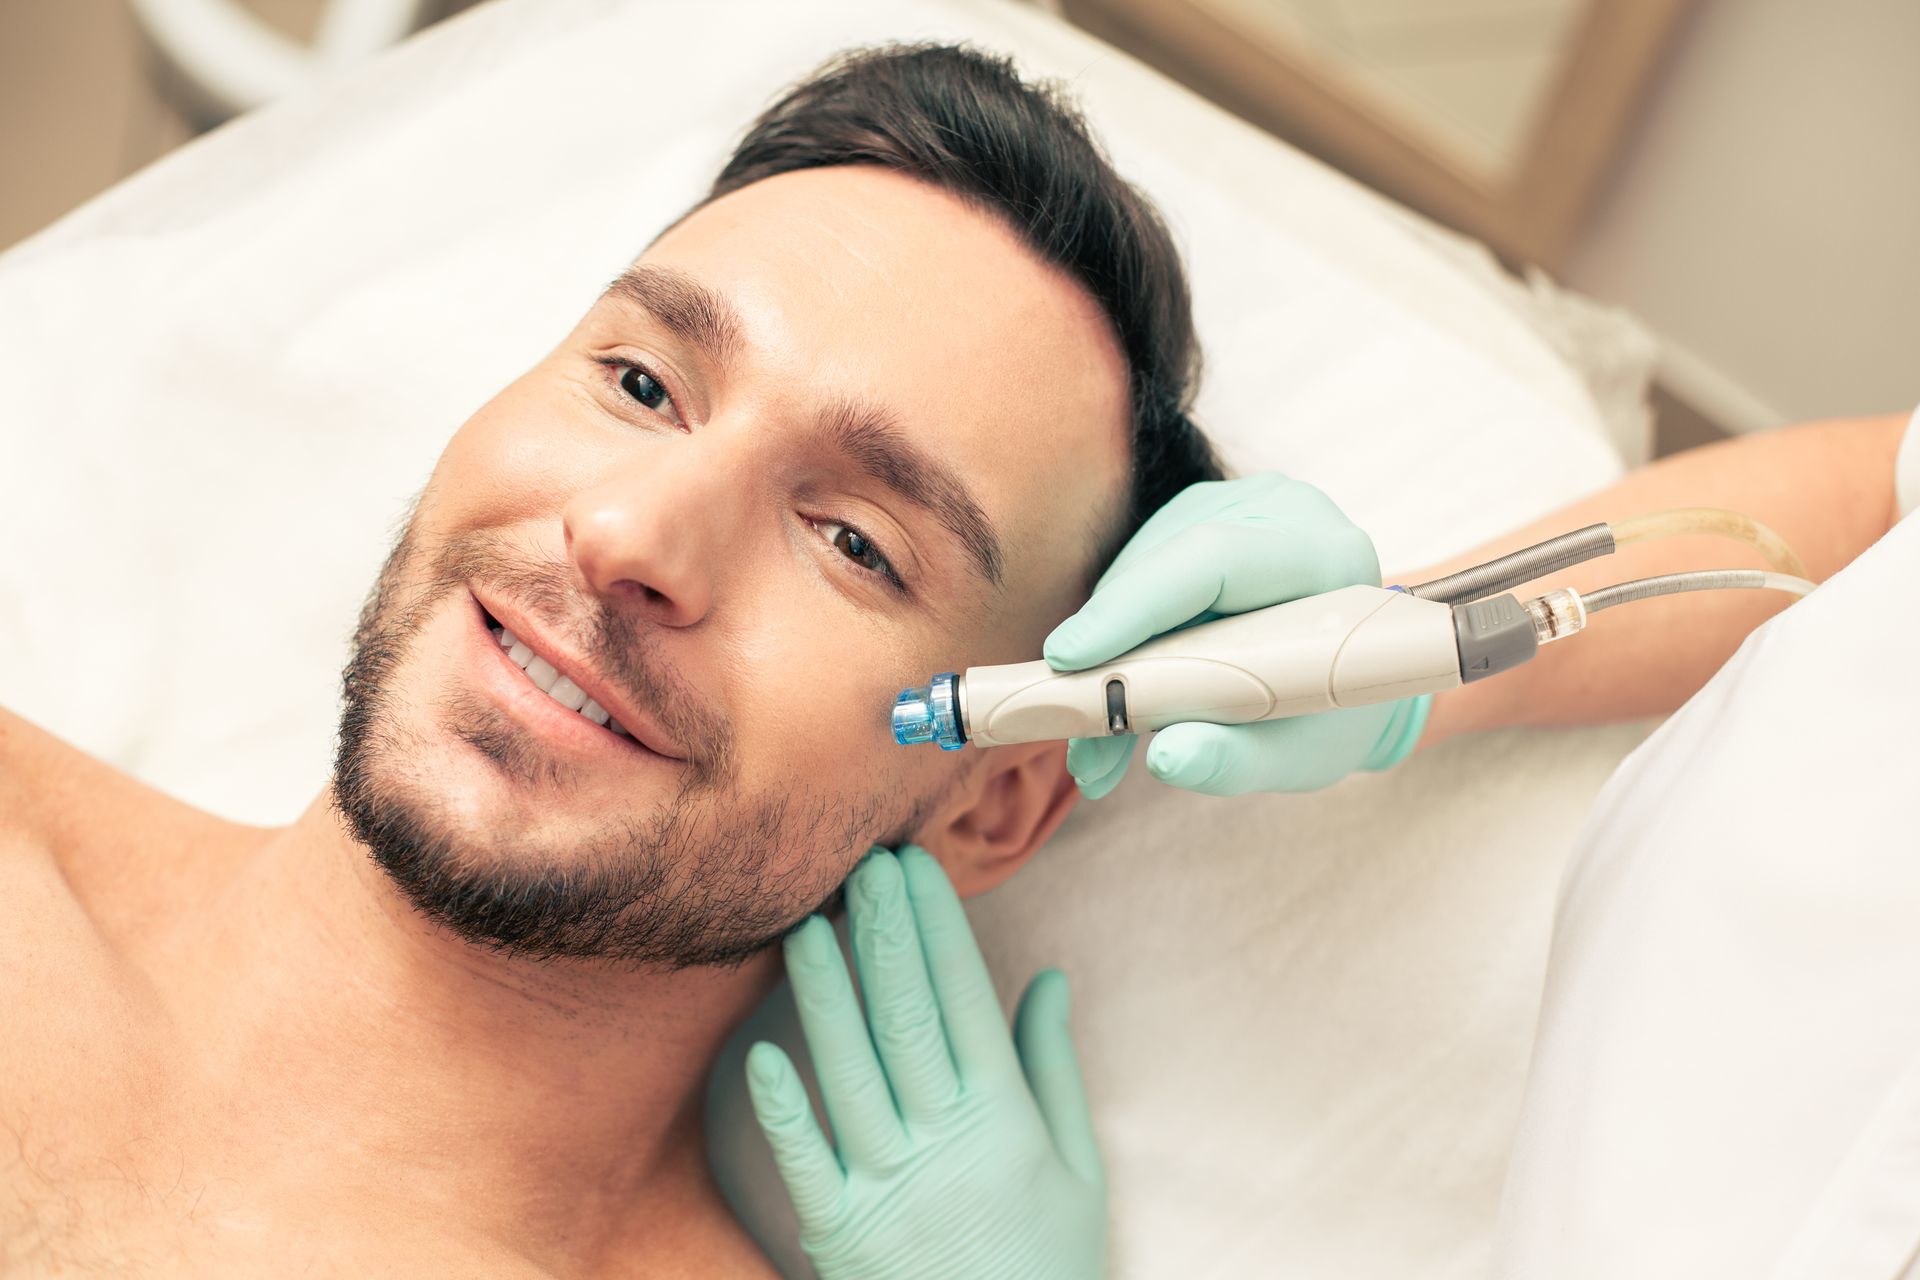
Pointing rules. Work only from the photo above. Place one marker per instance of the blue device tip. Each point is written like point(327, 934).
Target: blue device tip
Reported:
point(929, 713)
point(913, 716)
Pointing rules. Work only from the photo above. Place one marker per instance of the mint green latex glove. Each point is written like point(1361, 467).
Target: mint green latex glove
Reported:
point(1220, 547)
point(956, 1154)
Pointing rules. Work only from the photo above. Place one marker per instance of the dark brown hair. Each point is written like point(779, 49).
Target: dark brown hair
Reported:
point(965, 122)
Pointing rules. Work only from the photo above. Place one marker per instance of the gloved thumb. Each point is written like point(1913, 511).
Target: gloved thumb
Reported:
point(1304, 753)
point(1098, 764)
point(1053, 1073)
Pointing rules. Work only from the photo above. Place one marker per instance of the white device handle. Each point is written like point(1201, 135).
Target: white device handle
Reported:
point(1346, 648)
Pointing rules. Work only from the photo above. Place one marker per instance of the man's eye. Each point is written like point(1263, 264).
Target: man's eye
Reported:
point(859, 548)
point(646, 389)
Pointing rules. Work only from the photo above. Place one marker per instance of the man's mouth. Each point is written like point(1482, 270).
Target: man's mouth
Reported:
point(551, 682)
point(559, 672)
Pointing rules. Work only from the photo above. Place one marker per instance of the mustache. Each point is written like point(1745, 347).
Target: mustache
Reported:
point(623, 649)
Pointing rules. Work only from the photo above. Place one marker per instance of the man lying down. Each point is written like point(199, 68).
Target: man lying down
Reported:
point(888, 402)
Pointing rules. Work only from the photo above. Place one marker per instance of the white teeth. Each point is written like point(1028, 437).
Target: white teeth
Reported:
point(553, 684)
point(567, 694)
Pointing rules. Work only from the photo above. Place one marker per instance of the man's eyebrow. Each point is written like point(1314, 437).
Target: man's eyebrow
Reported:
point(864, 434)
point(868, 437)
point(697, 315)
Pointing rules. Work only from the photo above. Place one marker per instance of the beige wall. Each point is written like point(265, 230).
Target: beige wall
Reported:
point(84, 101)
point(1764, 216)
point(77, 109)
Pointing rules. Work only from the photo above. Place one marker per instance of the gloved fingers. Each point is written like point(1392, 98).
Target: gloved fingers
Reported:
point(807, 1165)
point(859, 1105)
point(901, 1009)
point(1294, 529)
point(1098, 764)
point(1155, 593)
point(1401, 733)
point(1204, 502)
point(1221, 567)
point(1053, 1073)
point(1263, 562)
point(1294, 754)
point(976, 1029)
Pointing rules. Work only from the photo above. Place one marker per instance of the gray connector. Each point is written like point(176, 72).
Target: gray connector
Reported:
point(1494, 636)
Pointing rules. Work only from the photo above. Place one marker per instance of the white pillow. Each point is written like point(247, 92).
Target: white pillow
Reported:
point(1304, 1018)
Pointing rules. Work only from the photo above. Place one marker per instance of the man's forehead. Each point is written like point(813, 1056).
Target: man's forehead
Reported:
point(868, 252)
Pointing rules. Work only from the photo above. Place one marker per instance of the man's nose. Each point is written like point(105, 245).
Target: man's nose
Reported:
point(652, 534)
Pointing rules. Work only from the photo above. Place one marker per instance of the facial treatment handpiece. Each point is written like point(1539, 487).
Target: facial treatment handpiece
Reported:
point(1346, 648)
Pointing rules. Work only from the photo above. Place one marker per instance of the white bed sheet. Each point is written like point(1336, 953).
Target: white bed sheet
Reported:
point(1305, 1019)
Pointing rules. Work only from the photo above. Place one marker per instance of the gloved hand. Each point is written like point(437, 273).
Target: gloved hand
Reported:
point(957, 1156)
point(1220, 547)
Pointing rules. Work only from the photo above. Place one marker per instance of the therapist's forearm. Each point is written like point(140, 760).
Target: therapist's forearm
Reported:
point(1826, 487)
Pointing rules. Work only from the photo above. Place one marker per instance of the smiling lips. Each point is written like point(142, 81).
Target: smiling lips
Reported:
point(550, 682)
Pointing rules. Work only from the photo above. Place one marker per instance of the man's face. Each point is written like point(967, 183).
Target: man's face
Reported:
point(833, 433)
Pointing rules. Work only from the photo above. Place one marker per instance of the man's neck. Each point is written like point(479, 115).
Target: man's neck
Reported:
point(554, 1104)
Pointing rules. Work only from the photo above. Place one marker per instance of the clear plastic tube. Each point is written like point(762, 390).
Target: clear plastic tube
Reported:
point(1718, 523)
point(1700, 580)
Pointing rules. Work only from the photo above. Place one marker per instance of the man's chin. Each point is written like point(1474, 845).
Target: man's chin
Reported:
point(487, 783)
point(508, 850)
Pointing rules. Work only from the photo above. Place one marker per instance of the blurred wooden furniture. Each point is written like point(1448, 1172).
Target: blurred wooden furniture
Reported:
point(1268, 61)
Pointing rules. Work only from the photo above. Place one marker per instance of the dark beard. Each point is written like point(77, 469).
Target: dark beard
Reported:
point(688, 886)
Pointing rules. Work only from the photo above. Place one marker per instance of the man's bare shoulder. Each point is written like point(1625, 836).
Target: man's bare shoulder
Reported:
point(56, 796)
point(42, 782)
point(32, 763)
point(79, 844)
point(90, 859)
point(65, 1027)
point(115, 843)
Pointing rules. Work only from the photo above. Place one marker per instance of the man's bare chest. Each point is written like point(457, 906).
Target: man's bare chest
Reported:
point(79, 1201)
point(91, 1181)
point(67, 1209)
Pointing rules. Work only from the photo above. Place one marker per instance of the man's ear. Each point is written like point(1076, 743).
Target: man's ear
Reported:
point(990, 824)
